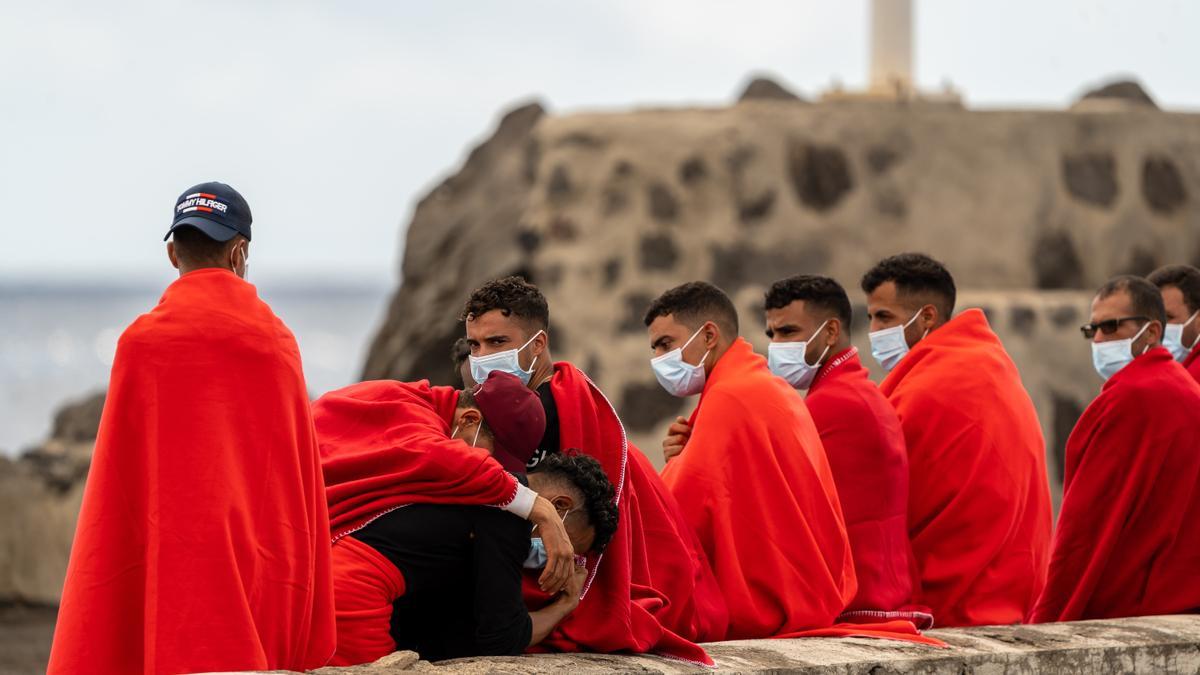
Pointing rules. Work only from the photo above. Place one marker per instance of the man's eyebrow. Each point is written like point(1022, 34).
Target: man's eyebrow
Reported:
point(660, 341)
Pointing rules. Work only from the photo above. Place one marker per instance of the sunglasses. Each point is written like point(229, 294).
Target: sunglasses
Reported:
point(1107, 327)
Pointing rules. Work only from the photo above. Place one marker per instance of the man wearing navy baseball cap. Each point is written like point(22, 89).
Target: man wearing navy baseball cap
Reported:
point(211, 228)
point(203, 539)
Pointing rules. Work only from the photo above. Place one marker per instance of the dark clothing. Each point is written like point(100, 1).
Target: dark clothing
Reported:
point(550, 441)
point(462, 573)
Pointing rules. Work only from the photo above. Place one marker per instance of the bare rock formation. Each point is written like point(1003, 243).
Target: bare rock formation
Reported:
point(1128, 92)
point(604, 211)
point(764, 88)
point(40, 494)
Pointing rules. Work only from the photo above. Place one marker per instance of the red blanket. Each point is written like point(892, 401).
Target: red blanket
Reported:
point(1128, 538)
point(651, 584)
point(1192, 363)
point(754, 483)
point(386, 444)
point(203, 540)
point(865, 445)
point(979, 499)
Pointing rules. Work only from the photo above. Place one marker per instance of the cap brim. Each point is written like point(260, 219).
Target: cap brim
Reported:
point(215, 230)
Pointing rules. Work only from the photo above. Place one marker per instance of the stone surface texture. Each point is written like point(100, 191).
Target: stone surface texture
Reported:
point(40, 494)
point(1166, 644)
point(604, 211)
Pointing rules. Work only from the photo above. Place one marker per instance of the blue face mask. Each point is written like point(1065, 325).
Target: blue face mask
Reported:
point(506, 362)
point(1110, 357)
point(677, 376)
point(1173, 338)
point(889, 345)
point(536, 559)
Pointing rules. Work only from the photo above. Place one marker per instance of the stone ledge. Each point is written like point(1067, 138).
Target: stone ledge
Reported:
point(1164, 644)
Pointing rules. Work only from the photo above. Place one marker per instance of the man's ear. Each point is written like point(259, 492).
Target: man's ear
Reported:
point(712, 335)
point(563, 502)
point(172, 255)
point(470, 417)
point(929, 317)
point(835, 332)
point(1154, 334)
point(540, 343)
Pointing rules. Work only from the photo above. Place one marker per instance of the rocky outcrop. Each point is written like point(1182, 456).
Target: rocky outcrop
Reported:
point(606, 210)
point(40, 494)
point(764, 88)
point(1128, 92)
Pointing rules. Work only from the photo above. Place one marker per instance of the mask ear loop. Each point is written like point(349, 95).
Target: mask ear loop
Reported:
point(477, 428)
point(689, 341)
point(1185, 324)
point(527, 343)
point(1139, 334)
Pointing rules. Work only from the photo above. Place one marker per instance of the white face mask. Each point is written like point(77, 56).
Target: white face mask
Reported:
point(1173, 338)
point(788, 360)
point(505, 362)
point(1110, 357)
point(678, 377)
point(888, 346)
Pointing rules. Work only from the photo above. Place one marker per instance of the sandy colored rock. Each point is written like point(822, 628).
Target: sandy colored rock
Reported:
point(40, 495)
point(605, 210)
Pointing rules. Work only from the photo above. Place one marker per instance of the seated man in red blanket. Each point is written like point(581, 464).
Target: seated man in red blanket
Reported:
point(1128, 537)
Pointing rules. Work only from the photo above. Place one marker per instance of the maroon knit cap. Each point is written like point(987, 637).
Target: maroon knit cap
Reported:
point(515, 415)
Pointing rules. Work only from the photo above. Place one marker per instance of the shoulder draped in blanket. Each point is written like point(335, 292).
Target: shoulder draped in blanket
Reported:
point(203, 540)
point(651, 590)
point(755, 484)
point(979, 499)
point(1128, 538)
point(386, 444)
point(865, 446)
point(1191, 362)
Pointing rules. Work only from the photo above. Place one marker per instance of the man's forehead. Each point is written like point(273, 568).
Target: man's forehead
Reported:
point(794, 312)
point(1112, 306)
point(494, 322)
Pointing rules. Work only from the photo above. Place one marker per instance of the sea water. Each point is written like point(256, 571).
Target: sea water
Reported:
point(57, 340)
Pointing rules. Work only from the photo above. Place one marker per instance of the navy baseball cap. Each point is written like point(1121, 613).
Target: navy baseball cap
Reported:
point(215, 209)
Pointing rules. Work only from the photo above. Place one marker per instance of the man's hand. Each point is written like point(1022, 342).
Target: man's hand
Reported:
point(560, 555)
point(570, 595)
point(677, 437)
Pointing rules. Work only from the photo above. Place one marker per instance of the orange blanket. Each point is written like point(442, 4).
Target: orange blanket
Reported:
point(754, 483)
point(203, 540)
point(979, 499)
point(1128, 538)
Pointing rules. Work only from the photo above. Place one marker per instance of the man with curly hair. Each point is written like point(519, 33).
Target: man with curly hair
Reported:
point(979, 497)
point(653, 591)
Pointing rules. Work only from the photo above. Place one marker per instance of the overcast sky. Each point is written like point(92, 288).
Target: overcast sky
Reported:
point(332, 118)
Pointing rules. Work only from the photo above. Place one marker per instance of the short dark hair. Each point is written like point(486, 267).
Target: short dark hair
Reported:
point(196, 248)
point(460, 352)
point(587, 476)
point(513, 296)
point(914, 274)
point(1184, 277)
point(816, 291)
point(1145, 298)
point(694, 303)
